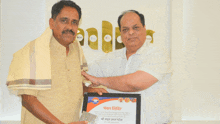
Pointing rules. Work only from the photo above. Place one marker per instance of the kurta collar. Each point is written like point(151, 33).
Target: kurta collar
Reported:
point(139, 51)
point(60, 49)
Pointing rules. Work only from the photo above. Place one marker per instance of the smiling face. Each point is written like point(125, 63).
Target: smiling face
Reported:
point(133, 33)
point(65, 26)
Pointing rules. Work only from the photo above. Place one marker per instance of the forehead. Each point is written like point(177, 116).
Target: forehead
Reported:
point(69, 12)
point(130, 19)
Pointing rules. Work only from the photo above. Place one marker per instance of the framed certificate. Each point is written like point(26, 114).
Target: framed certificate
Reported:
point(113, 108)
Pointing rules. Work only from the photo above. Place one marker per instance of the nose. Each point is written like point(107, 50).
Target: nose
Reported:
point(69, 25)
point(131, 31)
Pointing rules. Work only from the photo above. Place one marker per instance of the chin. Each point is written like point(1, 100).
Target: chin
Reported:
point(69, 40)
point(134, 48)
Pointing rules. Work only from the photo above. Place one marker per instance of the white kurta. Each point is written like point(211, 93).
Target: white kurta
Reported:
point(155, 100)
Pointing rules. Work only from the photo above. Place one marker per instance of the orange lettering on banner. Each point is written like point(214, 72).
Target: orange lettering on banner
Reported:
point(116, 108)
point(107, 108)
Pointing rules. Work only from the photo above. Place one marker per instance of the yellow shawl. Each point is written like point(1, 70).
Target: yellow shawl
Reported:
point(31, 65)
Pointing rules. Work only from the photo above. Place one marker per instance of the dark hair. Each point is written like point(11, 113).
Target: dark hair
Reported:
point(57, 7)
point(134, 11)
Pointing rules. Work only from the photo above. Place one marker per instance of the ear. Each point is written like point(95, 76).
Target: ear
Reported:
point(51, 23)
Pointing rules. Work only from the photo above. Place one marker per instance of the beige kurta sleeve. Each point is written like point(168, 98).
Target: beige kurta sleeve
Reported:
point(28, 92)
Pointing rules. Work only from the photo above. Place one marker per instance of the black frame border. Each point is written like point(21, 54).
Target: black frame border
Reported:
point(137, 96)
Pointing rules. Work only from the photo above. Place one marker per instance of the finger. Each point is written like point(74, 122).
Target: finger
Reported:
point(84, 74)
point(100, 93)
point(87, 76)
point(93, 85)
point(104, 91)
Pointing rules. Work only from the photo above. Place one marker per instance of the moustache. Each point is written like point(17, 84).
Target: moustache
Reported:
point(68, 31)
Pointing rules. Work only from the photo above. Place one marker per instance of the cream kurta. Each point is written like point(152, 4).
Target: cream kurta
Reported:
point(64, 98)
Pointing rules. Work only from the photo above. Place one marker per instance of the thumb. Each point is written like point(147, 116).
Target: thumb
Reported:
point(100, 93)
point(87, 76)
point(84, 74)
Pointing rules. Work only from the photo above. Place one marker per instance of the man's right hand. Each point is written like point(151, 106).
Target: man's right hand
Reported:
point(80, 122)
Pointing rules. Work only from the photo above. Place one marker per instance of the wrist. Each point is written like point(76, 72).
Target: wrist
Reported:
point(102, 81)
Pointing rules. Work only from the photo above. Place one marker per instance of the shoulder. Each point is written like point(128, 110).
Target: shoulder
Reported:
point(115, 54)
point(25, 49)
point(111, 57)
point(155, 50)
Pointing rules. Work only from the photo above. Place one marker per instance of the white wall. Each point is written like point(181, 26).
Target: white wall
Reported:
point(22, 21)
point(31, 20)
point(195, 55)
point(191, 25)
point(157, 14)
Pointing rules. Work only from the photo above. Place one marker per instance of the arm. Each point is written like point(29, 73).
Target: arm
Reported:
point(32, 104)
point(134, 82)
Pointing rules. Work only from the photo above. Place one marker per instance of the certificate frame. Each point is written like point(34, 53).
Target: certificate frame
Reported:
point(88, 96)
